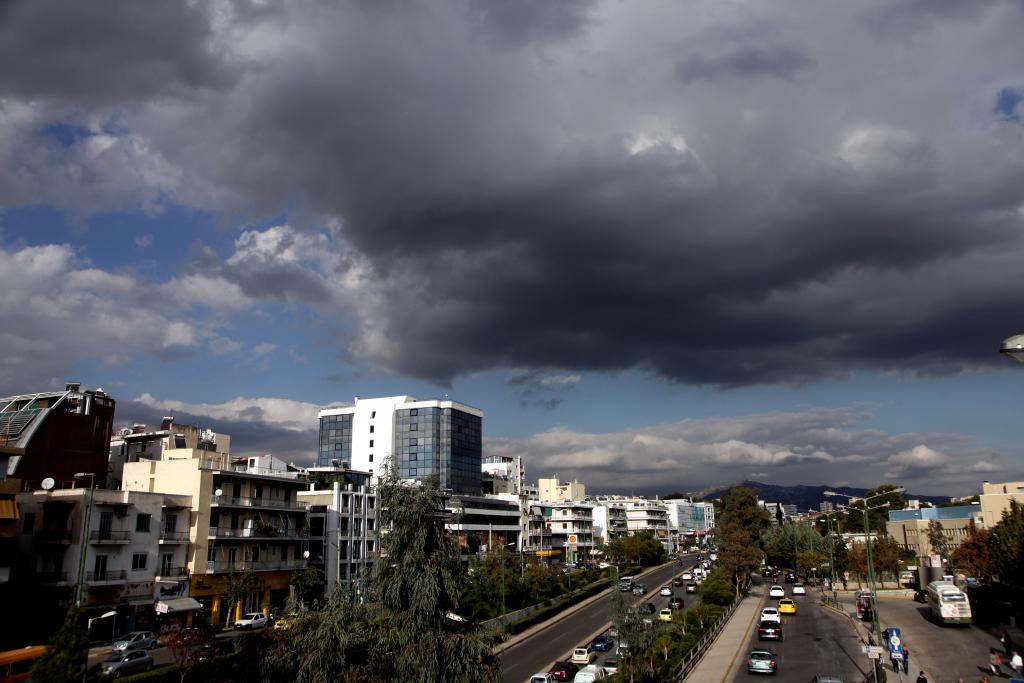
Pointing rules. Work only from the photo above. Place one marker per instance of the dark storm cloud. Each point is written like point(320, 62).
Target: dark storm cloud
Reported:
point(778, 61)
point(814, 198)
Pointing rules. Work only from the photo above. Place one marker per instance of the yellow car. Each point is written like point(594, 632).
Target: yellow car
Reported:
point(787, 606)
point(284, 623)
point(665, 615)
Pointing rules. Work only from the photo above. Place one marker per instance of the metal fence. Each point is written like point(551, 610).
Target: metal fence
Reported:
point(692, 658)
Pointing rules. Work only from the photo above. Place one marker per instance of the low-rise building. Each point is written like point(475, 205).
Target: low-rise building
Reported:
point(139, 442)
point(909, 528)
point(554, 490)
point(609, 520)
point(571, 525)
point(995, 500)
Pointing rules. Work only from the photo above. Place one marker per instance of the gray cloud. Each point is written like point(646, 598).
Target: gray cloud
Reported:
point(570, 203)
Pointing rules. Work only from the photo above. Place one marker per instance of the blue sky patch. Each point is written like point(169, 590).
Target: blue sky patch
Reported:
point(1008, 104)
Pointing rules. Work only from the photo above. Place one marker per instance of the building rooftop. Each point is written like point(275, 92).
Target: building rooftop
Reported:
point(927, 514)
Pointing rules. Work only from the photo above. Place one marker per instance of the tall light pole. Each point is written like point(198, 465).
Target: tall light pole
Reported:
point(831, 556)
point(80, 587)
point(867, 542)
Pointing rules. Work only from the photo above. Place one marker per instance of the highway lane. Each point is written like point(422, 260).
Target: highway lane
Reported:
point(817, 641)
point(946, 653)
point(557, 641)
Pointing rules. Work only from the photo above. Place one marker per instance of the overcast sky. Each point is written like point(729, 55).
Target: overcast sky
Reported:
point(661, 244)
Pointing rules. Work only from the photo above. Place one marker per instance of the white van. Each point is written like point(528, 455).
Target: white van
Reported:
point(589, 674)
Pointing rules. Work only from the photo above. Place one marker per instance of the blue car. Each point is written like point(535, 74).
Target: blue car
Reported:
point(601, 644)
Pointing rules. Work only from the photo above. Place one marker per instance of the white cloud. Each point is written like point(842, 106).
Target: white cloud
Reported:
point(297, 416)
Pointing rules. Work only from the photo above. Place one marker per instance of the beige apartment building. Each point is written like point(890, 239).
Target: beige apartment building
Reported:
point(553, 491)
point(245, 517)
point(995, 500)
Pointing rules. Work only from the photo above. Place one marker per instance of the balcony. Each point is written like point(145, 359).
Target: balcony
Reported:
point(243, 502)
point(258, 533)
point(109, 576)
point(172, 573)
point(53, 536)
point(253, 565)
point(107, 536)
point(173, 537)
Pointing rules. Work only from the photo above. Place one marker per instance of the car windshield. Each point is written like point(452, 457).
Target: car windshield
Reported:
point(254, 615)
point(769, 610)
point(115, 658)
point(953, 597)
point(760, 655)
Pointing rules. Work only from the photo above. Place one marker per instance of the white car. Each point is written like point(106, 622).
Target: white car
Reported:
point(666, 590)
point(771, 614)
point(776, 592)
point(542, 677)
point(589, 674)
point(687, 576)
point(798, 589)
point(583, 655)
point(251, 620)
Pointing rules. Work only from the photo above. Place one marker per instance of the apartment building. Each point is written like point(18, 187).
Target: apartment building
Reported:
point(538, 535)
point(245, 517)
point(909, 528)
point(610, 520)
point(126, 548)
point(56, 434)
point(995, 500)
point(572, 528)
point(503, 474)
point(647, 515)
point(434, 438)
point(690, 518)
point(481, 523)
point(343, 541)
point(140, 442)
point(554, 490)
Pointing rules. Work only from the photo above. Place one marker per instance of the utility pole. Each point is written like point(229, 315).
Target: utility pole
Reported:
point(83, 549)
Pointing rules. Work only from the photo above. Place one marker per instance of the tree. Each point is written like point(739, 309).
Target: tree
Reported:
point(939, 541)
point(303, 581)
point(740, 528)
point(66, 653)
point(187, 648)
point(716, 589)
point(973, 556)
point(236, 589)
point(1006, 546)
point(418, 583)
point(641, 548)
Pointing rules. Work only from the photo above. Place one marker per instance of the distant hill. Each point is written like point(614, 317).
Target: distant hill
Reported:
point(804, 497)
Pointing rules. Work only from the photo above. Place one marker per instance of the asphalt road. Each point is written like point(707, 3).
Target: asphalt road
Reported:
point(946, 653)
point(817, 641)
point(556, 642)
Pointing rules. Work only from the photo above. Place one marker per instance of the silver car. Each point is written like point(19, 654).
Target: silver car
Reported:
point(126, 663)
point(136, 640)
point(761, 662)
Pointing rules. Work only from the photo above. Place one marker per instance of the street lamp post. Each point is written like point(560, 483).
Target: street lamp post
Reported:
point(867, 542)
point(831, 555)
point(80, 586)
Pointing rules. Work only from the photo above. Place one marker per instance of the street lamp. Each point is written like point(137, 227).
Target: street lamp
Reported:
point(105, 615)
point(867, 542)
point(80, 588)
point(831, 542)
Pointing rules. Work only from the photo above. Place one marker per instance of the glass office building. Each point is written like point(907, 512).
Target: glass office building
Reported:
point(335, 441)
point(441, 442)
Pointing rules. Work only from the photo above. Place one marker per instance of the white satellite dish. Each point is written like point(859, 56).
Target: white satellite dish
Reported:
point(218, 492)
point(48, 483)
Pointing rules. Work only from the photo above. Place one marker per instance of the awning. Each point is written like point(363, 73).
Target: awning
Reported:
point(177, 605)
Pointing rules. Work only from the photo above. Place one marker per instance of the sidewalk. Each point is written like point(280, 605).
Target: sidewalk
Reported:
point(718, 662)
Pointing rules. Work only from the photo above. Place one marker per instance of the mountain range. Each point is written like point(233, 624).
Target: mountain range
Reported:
point(804, 497)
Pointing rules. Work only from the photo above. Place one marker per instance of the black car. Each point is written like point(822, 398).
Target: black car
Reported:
point(675, 603)
point(649, 608)
point(791, 577)
point(769, 630)
point(678, 581)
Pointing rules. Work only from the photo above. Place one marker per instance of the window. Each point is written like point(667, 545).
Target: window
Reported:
point(371, 443)
point(413, 427)
point(171, 522)
point(211, 554)
point(371, 454)
point(412, 471)
point(413, 442)
point(142, 522)
point(369, 546)
point(371, 501)
point(414, 412)
point(564, 525)
point(373, 414)
point(412, 456)
point(371, 429)
point(369, 525)
point(139, 561)
point(30, 522)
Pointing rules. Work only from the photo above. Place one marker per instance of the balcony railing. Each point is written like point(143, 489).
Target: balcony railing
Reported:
point(106, 536)
point(174, 537)
point(53, 536)
point(253, 565)
point(172, 572)
point(265, 532)
point(109, 575)
point(244, 502)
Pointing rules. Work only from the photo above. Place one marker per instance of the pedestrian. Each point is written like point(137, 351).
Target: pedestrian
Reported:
point(906, 659)
point(1007, 642)
point(1017, 662)
point(894, 658)
point(994, 660)
point(921, 678)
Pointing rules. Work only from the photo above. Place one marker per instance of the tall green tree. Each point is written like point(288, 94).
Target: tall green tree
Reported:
point(939, 541)
point(236, 589)
point(641, 548)
point(1006, 546)
point(66, 653)
point(418, 583)
point(741, 526)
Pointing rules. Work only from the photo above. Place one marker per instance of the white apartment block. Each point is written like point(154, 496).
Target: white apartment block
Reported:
point(610, 520)
point(690, 518)
point(647, 515)
point(572, 527)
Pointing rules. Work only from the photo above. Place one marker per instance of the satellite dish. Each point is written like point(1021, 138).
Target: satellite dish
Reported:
point(48, 483)
point(218, 492)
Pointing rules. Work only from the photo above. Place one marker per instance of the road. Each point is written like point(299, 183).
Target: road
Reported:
point(556, 642)
point(945, 653)
point(817, 641)
point(161, 655)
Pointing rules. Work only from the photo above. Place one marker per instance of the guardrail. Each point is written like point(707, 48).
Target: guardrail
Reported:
point(692, 658)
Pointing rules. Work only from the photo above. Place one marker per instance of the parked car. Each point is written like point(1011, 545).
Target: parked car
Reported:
point(787, 606)
point(542, 677)
point(776, 592)
point(601, 644)
point(583, 655)
point(136, 640)
point(769, 630)
point(771, 614)
point(666, 591)
point(665, 615)
point(761, 661)
point(691, 587)
point(589, 674)
point(563, 671)
point(611, 665)
point(798, 589)
point(126, 663)
point(251, 621)
point(675, 603)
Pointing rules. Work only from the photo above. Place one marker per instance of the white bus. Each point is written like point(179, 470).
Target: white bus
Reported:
point(948, 603)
